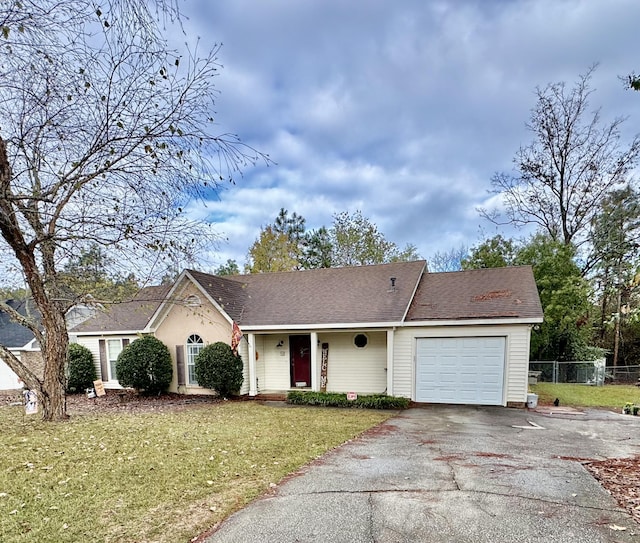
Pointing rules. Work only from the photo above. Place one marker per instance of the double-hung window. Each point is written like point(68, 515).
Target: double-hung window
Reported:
point(114, 348)
point(194, 346)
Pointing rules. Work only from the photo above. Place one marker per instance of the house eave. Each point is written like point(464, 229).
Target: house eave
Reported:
point(474, 322)
point(314, 326)
point(102, 333)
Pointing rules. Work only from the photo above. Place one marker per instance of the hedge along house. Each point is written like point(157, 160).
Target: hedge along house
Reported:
point(459, 337)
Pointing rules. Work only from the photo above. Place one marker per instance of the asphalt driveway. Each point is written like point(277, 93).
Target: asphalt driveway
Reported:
point(453, 474)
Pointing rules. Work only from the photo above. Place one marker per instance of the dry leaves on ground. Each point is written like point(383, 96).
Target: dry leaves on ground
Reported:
point(621, 477)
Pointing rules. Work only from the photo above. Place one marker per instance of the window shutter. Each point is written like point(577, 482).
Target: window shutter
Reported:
point(180, 364)
point(103, 360)
point(125, 342)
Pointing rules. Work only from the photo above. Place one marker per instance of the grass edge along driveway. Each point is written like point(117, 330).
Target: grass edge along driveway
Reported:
point(163, 476)
point(578, 395)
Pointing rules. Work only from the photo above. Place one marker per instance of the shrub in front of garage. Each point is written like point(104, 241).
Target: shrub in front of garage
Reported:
point(332, 399)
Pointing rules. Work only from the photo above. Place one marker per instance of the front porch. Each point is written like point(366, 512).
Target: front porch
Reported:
point(330, 360)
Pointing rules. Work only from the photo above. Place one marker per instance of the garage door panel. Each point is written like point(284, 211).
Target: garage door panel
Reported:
point(460, 370)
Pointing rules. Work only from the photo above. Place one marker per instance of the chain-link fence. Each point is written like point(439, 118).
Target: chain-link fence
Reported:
point(623, 375)
point(583, 372)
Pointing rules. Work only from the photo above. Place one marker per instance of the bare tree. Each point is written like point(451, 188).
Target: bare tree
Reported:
point(448, 261)
point(574, 161)
point(105, 136)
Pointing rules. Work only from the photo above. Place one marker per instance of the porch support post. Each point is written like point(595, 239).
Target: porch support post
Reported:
point(253, 378)
point(315, 376)
point(390, 336)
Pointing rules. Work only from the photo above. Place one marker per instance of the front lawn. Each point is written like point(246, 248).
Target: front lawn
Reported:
point(613, 396)
point(162, 477)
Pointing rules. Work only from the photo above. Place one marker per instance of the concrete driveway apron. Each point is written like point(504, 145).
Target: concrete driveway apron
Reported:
point(452, 474)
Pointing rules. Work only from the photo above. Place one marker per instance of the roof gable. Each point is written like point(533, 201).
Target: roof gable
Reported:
point(228, 295)
point(488, 293)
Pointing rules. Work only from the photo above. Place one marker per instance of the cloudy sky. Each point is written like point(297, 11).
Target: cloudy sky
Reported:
point(402, 109)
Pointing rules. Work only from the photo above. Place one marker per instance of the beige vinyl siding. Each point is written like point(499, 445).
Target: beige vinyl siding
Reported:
point(93, 344)
point(181, 320)
point(403, 354)
point(356, 370)
point(516, 364)
point(273, 366)
point(517, 377)
point(243, 351)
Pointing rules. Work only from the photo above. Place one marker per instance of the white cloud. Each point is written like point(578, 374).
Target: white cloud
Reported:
point(403, 110)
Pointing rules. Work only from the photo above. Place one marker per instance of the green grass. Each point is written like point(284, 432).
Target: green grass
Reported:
point(613, 396)
point(156, 476)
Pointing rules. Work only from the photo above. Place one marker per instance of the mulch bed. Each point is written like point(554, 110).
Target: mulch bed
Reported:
point(117, 401)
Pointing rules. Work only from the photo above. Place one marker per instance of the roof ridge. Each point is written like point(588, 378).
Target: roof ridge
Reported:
point(238, 277)
point(481, 269)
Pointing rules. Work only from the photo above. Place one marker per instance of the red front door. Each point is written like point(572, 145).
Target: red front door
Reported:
point(300, 356)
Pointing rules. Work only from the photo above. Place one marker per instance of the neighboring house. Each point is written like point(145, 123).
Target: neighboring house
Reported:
point(458, 337)
point(18, 339)
point(21, 341)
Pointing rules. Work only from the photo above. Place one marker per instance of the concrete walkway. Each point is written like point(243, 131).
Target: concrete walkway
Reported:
point(453, 474)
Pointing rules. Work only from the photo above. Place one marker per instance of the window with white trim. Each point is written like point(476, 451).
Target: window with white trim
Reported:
point(114, 348)
point(194, 346)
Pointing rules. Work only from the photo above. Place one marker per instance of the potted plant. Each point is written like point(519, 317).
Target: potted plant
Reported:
point(626, 410)
point(635, 409)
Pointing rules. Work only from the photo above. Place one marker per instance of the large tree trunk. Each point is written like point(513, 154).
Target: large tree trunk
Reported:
point(46, 294)
point(54, 352)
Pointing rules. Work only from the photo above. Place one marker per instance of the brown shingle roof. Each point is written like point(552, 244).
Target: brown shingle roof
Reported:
point(323, 296)
point(229, 294)
point(127, 316)
point(477, 294)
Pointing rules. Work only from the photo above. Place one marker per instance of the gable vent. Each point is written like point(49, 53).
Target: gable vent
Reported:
point(192, 301)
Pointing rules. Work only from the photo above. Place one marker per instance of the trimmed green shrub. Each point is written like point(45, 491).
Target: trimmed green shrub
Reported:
point(145, 364)
point(219, 369)
point(332, 399)
point(81, 370)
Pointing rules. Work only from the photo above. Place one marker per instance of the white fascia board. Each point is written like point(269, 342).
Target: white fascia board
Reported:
point(338, 326)
point(31, 346)
point(471, 322)
point(106, 333)
point(167, 297)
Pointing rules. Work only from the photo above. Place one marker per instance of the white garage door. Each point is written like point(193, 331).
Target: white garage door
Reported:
point(465, 370)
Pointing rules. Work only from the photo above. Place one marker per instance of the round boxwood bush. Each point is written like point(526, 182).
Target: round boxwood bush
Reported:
point(145, 364)
point(218, 368)
point(81, 369)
